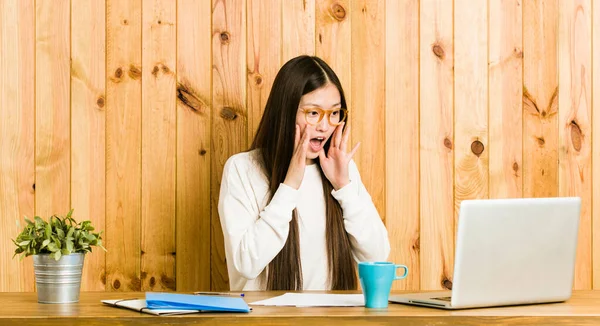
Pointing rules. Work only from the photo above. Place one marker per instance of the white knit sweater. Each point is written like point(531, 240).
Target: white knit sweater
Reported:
point(255, 232)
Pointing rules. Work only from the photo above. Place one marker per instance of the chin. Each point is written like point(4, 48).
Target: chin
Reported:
point(312, 155)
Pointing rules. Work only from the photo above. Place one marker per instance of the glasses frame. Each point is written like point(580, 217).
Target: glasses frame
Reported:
point(322, 114)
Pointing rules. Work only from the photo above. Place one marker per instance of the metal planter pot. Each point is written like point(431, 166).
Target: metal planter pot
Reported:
point(58, 281)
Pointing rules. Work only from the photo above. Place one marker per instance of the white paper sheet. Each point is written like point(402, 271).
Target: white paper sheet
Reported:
point(314, 300)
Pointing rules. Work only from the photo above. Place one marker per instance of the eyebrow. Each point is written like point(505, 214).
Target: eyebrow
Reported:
point(313, 104)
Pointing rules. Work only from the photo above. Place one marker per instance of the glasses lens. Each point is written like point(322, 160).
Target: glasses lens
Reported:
point(336, 117)
point(312, 116)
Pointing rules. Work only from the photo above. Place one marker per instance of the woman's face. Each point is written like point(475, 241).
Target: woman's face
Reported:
point(326, 99)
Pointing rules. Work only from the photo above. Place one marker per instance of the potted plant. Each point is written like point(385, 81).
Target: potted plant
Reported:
point(58, 247)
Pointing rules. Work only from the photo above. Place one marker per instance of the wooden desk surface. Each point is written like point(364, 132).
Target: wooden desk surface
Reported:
point(22, 309)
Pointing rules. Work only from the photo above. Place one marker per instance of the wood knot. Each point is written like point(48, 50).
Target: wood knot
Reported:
point(119, 73)
point(417, 244)
point(152, 281)
point(543, 114)
point(143, 275)
point(338, 12)
point(576, 136)
point(258, 79)
point(515, 167)
point(136, 283)
point(477, 147)
point(187, 97)
point(116, 284)
point(159, 22)
point(447, 143)
point(160, 67)
point(438, 50)
point(224, 37)
point(168, 282)
point(447, 284)
point(518, 53)
point(228, 113)
point(33, 186)
point(541, 141)
point(202, 152)
point(529, 104)
point(125, 22)
point(135, 72)
point(103, 277)
point(100, 102)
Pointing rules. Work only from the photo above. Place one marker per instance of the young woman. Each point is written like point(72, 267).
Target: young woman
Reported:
point(294, 212)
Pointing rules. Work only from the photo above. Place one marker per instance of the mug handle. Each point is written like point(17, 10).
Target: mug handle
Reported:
point(396, 277)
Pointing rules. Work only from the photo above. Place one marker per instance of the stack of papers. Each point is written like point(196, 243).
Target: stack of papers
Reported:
point(314, 300)
point(141, 306)
point(173, 304)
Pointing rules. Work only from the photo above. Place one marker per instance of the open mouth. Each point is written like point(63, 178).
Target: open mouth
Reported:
point(316, 143)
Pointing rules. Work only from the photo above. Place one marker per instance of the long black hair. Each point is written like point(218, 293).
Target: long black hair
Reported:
point(275, 139)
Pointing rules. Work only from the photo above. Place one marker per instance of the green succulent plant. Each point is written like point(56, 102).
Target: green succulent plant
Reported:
point(58, 236)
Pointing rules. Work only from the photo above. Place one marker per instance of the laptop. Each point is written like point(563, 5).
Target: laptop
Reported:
point(509, 252)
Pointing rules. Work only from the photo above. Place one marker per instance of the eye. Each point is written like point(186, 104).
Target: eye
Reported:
point(312, 113)
point(335, 113)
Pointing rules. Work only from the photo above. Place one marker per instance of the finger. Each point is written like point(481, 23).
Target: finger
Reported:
point(322, 156)
point(345, 137)
point(302, 135)
point(353, 151)
point(304, 143)
point(296, 138)
point(338, 135)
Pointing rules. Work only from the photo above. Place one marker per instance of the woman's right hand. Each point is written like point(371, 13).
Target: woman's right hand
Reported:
point(295, 172)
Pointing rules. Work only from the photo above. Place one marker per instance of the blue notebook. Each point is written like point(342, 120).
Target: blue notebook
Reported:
point(158, 300)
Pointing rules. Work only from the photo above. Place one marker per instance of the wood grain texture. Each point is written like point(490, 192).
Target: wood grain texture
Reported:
point(401, 140)
point(505, 99)
point(368, 96)
point(159, 19)
point(88, 120)
point(540, 98)
point(52, 103)
point(298, 28)
point(575, 124)
point(596, 148)
point(193, 145)
point(334, 41)
point(263, 56)
point(470, 102)
point(16, 309)
point(73, 131)
point(229, 126)
point(17, 137)
point(436, 163)
point(123, 144)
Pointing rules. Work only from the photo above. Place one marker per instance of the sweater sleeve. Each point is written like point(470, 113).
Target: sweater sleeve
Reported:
point(252, 237)
point(368, 235)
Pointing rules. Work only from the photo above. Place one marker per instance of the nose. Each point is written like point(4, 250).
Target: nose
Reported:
point(323, 125)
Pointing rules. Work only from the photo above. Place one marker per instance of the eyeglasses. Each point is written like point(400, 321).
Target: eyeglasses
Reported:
point(335, 117)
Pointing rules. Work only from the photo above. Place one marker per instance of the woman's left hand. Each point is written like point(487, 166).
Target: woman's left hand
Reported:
point(335, 163)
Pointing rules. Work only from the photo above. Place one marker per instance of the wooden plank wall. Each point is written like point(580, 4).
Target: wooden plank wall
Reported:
point(88, 128)
point(126, 111)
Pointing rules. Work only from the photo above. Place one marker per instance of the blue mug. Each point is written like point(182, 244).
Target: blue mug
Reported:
point(376, 280)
